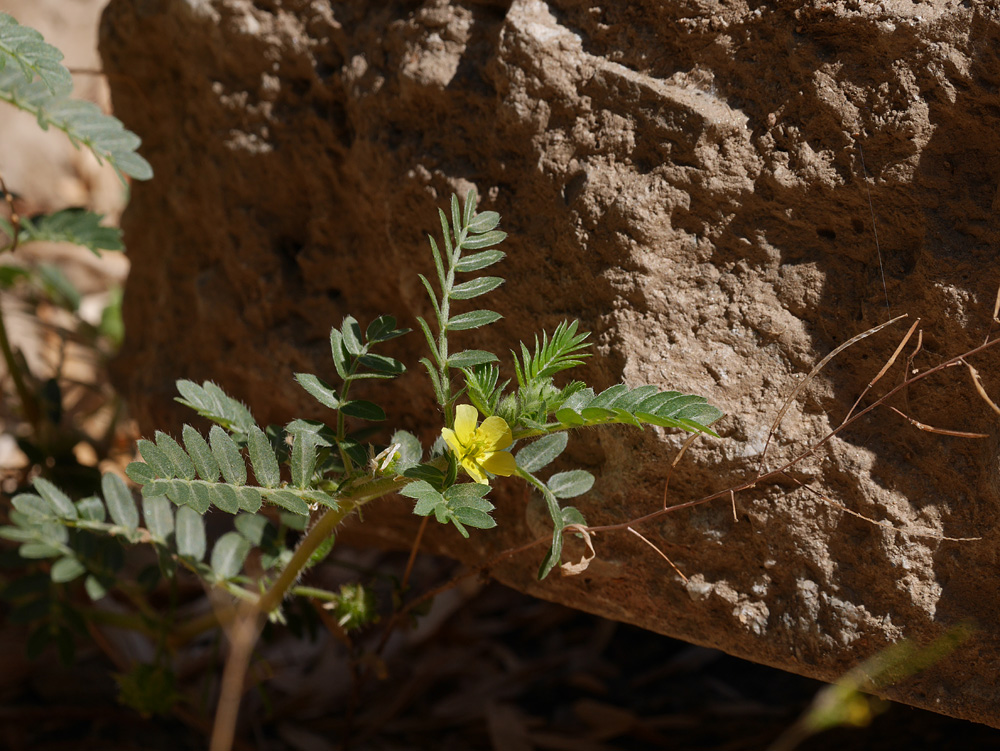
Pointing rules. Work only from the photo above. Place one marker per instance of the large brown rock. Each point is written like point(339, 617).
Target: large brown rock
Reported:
point(697, 182)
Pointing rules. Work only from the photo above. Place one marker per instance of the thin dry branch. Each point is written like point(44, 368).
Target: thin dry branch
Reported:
point(979, 385)
point(882, 372)
point(662, 554)
point(939, 431)
point(812, 374)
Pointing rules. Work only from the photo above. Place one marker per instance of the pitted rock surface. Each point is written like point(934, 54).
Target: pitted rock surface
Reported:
point(722, 193)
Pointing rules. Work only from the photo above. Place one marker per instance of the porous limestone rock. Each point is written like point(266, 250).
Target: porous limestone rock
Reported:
point(722, 192)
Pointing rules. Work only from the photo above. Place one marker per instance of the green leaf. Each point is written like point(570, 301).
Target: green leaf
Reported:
point(569, 417)
point(478, 261)
point(425, 494)
point(204, 460)
point(252, 527)
point(427, 473)
point(410, 450)
point(120, 503)
point(66, 570)
point(542, 452)
point(224, 498)
point(95, 589)
point(56, 498)
point(382, 329)
point(607, 397)
point(483, 222)
point(234, 468)
point(382, 364)
point(468, 209)
point(159, 516)
point(91, 509)
point(76, 226)
point(351, 332)
point(34, 507)
point(473, 320)
point(561, 352)
point(37, 550)
point(228, 555)
point(34, 57)
point(570, 484)
point(140, 473)
point(319, 389)
point(263, 458)
point(362, 410)
point(474, 288)
point(470, 358)
point(484, 240)
point(250, 499)
point(341, 360)
point(306, 436)
point(288, 500)
point(183, 466)
point(156, 458)
point(190, 534)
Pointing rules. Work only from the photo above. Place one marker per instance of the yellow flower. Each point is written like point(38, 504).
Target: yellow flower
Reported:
point(480, 449)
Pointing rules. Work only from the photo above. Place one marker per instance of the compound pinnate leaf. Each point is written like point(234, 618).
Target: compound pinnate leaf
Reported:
point(120, 503)
point(230, 460)
point(228, 555)
point(76, 226)
point(27, 49)
point(190, 533)
point(474, 288)
point(208, 400)
point(542, 452)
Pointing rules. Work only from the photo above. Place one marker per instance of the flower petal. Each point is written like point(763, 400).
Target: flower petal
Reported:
point(500, 463)
point(495, 434)
point(452, 440)
point(474, 471)
point(465, 423)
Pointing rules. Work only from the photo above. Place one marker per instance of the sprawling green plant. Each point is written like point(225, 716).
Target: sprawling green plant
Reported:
point(317, 473)
point(288, 487)
point(33, 79)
